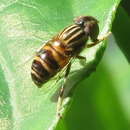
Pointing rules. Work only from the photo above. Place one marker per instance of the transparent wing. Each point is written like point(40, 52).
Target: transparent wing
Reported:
point(57, 82)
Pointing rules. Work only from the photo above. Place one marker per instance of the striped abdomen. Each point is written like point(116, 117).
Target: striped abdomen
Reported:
point(57, 53)
point(50, 60)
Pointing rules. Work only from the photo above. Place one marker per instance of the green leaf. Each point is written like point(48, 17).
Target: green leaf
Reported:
point(121, 31)
point(24, 26)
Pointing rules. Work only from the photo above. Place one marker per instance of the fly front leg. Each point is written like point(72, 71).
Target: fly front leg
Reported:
point(98, 40)
point(61, 95)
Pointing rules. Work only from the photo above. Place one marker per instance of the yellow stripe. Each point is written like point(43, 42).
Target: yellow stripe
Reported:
point(33, 72)
point(70, 33)
point(44, 64)
point(73, 36)
point(65, 30)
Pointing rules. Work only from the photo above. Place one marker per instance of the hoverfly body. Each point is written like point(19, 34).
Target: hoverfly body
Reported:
point(57, 53)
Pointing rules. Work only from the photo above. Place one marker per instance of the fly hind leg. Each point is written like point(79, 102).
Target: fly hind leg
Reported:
point(61, 94)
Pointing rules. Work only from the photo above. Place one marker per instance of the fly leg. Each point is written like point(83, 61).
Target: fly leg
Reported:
point(98, 40)
point(82, 59)
point(61, 95)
